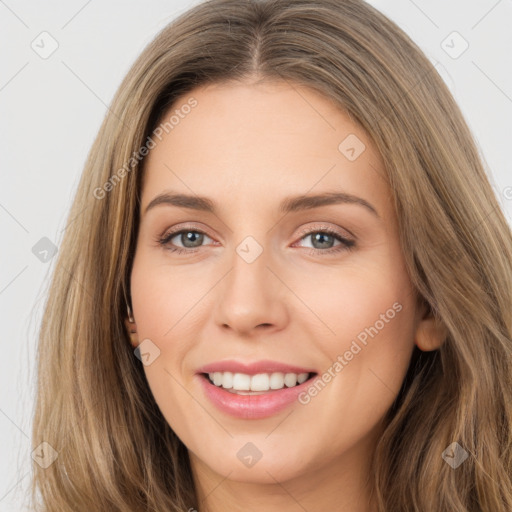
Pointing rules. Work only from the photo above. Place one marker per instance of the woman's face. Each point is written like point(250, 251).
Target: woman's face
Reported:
point(255, 278)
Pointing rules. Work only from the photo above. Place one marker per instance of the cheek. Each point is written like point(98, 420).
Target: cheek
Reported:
point(368, 299)
point(165, 298)
point(371, 310)
point(163, 301)
point(366, 332)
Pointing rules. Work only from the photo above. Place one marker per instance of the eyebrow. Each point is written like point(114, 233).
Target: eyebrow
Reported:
point(288, 205)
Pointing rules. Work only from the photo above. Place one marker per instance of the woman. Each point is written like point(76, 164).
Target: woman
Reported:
point(200, 356)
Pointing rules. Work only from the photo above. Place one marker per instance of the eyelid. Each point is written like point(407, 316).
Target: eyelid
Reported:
point(324, 227)
point(175, 230)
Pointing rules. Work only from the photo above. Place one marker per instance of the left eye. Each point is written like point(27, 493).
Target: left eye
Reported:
point(322, 240)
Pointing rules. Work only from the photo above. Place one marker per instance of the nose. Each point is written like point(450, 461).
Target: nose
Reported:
point(251, 298)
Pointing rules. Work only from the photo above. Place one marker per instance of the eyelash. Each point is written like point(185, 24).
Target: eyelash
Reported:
point(345, 245)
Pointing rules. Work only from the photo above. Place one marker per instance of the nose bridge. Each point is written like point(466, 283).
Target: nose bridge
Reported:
point(251, 295)
point(248, 282)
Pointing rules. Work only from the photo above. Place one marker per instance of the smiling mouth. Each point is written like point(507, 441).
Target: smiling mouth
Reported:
point(258, 384)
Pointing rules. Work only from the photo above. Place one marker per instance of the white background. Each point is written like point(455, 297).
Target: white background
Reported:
point(51, 110)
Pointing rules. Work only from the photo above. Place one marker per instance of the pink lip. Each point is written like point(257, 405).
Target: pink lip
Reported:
point(263, 366)
point(252, 407)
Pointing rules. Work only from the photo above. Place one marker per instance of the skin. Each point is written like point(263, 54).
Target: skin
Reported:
point(247, 147)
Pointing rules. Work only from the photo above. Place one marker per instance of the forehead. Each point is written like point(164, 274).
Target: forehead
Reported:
point(253, 142)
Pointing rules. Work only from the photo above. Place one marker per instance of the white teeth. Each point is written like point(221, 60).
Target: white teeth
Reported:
point(302, 377)
point(258, 382)
point(277, 381)
point(227, 380)
point(241, 382)
point(290, 379)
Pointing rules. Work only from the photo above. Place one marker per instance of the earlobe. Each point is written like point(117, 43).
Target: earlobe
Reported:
point(430, 333)
point(131, 327)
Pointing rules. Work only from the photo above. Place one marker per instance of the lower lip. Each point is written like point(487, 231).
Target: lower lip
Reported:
point(252, 407)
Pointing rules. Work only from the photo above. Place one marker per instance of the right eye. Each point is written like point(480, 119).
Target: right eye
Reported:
point(189, 238)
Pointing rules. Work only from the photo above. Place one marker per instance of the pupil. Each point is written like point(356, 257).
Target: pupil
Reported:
point(192, 236)
point(320, 237)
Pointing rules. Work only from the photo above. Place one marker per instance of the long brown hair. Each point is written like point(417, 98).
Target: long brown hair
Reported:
point(115, 450)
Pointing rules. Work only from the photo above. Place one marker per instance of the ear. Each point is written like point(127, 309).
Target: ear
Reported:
point(430, 332)
point(131, 327)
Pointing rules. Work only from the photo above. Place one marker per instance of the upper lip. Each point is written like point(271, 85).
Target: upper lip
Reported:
point(252, 368)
